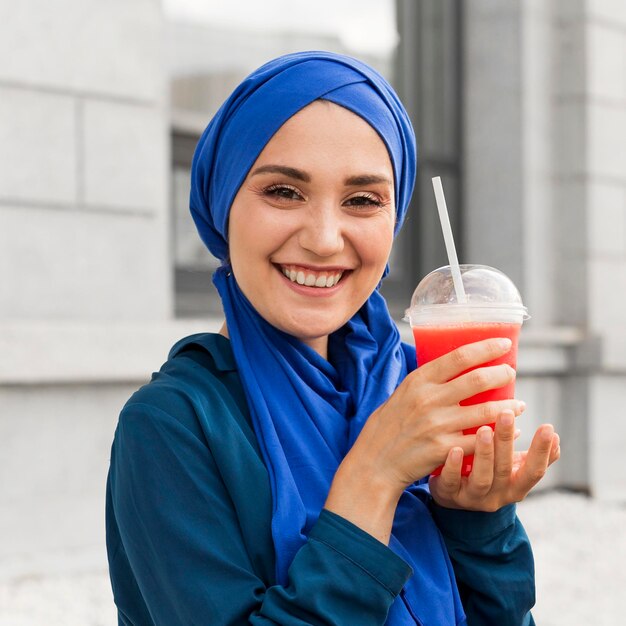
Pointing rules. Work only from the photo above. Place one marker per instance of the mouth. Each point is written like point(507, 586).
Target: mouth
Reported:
point(322, 279)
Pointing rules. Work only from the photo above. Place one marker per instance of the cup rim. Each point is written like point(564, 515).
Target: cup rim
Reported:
point(453, 312)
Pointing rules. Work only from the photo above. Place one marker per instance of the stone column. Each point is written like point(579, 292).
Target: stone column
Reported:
point(546, 202)
point(509, 190)
point(596, 187)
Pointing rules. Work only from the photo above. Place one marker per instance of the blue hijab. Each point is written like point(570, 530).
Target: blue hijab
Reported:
point(306, 428)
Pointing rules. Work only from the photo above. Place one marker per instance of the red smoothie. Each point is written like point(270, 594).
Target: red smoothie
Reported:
point(433, 341)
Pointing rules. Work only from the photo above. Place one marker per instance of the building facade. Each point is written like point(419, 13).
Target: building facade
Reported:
point(519, 105)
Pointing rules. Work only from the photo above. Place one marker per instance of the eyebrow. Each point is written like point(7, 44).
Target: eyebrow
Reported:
point(366, 179)
point(292, 172)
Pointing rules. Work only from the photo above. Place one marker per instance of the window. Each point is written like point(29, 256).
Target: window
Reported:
point(193, 263)
point(428, 81)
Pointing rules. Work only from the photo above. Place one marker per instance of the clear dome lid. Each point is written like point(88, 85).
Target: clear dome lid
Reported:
point(491, 297)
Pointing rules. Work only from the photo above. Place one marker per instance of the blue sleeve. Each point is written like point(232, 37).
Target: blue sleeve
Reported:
point(342, 576)
point(493, 564)
point(178, 555)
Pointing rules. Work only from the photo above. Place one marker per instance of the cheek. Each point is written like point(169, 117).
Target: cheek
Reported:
point(251, 233)
point(376, 245)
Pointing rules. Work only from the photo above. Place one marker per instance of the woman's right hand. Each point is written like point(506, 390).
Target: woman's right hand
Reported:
point(410, 435)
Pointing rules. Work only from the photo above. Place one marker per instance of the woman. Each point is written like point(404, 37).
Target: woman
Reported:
point(274, 473)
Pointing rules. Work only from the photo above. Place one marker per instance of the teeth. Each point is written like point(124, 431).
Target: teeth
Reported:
point(333, 280)
point(310, 279)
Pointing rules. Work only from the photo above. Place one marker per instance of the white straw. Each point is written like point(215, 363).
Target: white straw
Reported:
point(449, 241)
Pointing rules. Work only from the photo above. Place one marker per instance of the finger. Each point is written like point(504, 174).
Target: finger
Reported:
point(504, 440)
point(518, 460)
point(555, 450)
point(536, 460)
point(446, 485)
point(477, 381)
point(487, 412)
point(453, 363)
point(481, 478)
point(450, 477)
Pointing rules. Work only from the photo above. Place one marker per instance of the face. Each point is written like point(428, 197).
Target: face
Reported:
point(311, 228)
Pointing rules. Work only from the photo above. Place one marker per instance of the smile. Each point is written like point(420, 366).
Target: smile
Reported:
point(311, 278)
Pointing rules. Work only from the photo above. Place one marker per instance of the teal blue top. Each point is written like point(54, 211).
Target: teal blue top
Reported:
point(189, 523)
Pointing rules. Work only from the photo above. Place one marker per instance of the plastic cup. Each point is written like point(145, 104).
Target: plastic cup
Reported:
point(440, 324)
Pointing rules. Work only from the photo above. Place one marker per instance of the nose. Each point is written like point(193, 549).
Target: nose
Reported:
point(322, 231)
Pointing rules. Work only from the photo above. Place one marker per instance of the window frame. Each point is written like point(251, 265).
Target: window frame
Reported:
point(420, 245)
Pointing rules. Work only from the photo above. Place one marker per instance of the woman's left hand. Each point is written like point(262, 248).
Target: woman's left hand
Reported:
point(499, 475)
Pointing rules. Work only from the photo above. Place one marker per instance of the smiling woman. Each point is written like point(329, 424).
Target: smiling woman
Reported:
point(201, 76)
point(310, 231)
point(278, 472)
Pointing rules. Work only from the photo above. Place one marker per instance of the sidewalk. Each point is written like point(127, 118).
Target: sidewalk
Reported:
point(580, 554)
point(579, 545)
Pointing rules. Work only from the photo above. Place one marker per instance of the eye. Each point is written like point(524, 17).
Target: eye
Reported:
point(283, 192)
point(365, 200)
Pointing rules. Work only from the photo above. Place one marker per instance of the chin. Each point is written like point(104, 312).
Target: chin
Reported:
point(313, 330)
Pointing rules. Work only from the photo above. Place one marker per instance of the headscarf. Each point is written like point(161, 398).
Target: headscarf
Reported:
point(306, 411)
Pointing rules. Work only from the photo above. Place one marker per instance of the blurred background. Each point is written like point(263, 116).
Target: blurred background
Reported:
point(520, 107)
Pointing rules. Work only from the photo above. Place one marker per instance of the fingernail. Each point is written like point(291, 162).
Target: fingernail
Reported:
point(456, 455)
point(507, 418)
point(517, 433)
point(485, 434)
point(547, 433)
point(505, 344)
point(521, 406)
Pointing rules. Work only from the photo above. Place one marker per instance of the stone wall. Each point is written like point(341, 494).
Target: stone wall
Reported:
point(604, 174)
point(546, 200)
point(85, 276)
point(83, 156)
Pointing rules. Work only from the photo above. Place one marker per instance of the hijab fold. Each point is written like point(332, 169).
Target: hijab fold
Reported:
point(307, 411)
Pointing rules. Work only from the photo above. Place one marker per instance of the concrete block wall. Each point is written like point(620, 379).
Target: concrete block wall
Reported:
point(85, 269)
point(55, 446)
point(84, 161)
point(38, 147)
point(68, 264)
point(554, 144)
point(61, 389)
point(606, 159)
point(606, 244)
point(590, 117)
point(107, 49)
